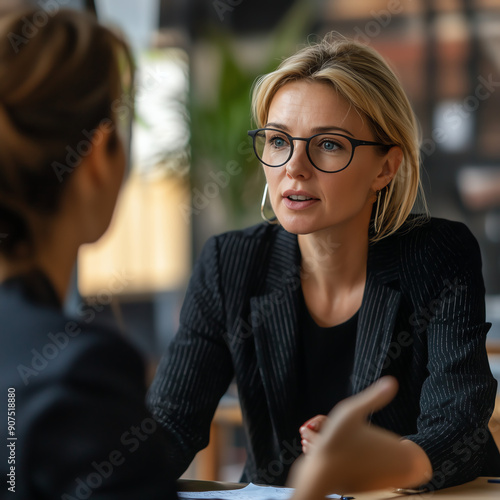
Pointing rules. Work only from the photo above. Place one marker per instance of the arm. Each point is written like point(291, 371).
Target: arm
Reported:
point(352, 455)
point(457, 397)
point(90, 432)
point(196, 370)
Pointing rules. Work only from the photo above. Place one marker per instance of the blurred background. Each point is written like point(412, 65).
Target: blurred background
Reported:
point(192, 171)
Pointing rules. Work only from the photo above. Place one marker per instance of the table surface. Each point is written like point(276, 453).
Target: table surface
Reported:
point(475, 490)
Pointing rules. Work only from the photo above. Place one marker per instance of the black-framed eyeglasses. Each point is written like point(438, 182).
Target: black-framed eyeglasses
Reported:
point(327, 152)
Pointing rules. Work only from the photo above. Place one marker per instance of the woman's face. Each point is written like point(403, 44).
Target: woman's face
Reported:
point(334, 200)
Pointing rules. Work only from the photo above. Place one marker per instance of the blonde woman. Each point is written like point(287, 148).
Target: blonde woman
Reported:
point(347, 287)
point(72, 392)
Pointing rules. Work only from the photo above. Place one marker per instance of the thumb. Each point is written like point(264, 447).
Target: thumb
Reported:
point(374, 397)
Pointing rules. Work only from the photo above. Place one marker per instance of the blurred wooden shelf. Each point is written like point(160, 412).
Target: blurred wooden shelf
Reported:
point(493, 346)
point(208, 461)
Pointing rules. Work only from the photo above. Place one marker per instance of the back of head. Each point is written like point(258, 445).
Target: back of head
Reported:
point(362, 77)
point(58, 81)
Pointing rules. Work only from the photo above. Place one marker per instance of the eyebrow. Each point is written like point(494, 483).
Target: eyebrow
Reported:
point(314, 130)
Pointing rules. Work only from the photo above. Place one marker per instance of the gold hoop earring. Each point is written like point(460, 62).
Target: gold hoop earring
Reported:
point(376, 225)
point(263, 207)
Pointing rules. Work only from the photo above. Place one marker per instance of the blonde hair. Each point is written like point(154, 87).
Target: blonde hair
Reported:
point(363, 78)
point(58, 81)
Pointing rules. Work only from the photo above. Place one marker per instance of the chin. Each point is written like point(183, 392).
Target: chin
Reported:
point(296, 226)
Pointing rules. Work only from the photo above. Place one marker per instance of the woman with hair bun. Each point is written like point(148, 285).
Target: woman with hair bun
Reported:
point(72, 392)
point(345, 287)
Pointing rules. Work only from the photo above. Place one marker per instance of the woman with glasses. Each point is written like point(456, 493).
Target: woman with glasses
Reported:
point(346, 287)
point(74, 417)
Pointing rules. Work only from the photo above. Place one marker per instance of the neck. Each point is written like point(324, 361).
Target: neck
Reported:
point(58, 267)
point(54, 258)
point(334, 260)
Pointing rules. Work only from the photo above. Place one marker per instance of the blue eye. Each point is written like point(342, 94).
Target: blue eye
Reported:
point(330, 145)
point(278, 142)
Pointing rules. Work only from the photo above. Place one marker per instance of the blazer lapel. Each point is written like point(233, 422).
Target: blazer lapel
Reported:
point(378, 313)
point(275, 325)
point(275, 328)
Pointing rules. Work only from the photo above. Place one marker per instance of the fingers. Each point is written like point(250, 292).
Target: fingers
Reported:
point(309, 431)
point(314, 423)
point(353, 411)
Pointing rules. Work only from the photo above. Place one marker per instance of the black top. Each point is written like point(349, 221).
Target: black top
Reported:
point(78, 425)
point(328, 360)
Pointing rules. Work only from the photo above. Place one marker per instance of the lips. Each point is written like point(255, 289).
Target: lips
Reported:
point(298, 200)
point(298, 195)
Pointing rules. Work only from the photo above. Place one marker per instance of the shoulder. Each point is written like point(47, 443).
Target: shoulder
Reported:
point(435, 239)
point(257, 234)
point(101, 356)
point(245, 261)
point(435, 253)
point(42, 346)
point(241, 245)
point(64, 370)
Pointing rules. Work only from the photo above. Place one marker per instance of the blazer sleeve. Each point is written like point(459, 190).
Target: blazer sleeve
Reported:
point(197, 368)
point(458, 395)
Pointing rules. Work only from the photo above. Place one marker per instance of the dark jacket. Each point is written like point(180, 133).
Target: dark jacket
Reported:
point(422, 320)
point(78, 425)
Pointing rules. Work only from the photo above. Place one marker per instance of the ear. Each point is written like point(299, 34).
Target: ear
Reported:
point(96, 182)
point(96, 165)
point(390, 165)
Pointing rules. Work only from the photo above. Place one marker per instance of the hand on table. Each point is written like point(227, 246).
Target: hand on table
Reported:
point(309, 432)
point(350, 454)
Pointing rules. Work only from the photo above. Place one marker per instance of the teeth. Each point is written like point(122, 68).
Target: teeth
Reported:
point(296, 197)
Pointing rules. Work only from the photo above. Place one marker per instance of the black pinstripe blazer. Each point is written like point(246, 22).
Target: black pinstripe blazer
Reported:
point(79, 404)
point(422, 320)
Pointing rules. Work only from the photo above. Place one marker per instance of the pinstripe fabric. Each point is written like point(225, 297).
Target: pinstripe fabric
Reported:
point(421, 320)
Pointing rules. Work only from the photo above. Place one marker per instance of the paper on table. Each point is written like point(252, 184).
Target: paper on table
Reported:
point(250, 492)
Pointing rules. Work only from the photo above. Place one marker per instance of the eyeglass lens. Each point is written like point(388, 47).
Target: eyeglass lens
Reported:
point(329, 152)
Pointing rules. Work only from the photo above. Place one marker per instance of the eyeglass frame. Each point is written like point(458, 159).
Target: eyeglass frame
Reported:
point(354, 143)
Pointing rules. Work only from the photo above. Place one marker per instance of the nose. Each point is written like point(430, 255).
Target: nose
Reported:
point(299, 165)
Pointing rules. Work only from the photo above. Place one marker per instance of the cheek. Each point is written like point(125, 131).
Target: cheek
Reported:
point(272, 178)
point(348, 192)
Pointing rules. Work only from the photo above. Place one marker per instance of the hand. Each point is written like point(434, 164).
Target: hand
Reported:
point(309, 432)
point(350, 454)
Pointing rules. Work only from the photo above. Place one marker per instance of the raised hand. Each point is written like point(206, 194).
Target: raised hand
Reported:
point(349, 454)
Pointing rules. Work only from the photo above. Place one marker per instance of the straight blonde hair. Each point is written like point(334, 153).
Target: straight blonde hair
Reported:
point(363, 78)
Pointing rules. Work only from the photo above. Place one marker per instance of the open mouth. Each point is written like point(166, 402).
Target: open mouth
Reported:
point(299, 197)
